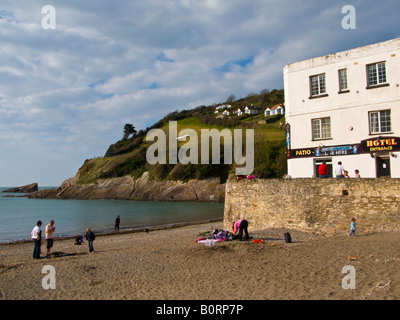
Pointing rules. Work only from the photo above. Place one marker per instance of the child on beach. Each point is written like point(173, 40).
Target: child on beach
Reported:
point(90, 238)
point(352, 227)
point(78, 241)
point(238, 227)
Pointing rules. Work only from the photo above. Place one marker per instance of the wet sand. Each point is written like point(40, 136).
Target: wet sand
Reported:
point(169, 265)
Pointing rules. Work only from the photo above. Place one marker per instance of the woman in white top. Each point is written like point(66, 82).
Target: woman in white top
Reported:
point(50, 228)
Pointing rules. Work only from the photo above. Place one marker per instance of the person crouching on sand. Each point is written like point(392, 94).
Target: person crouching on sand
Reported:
point(78, 241)
point(90, 238)
point(238, 228)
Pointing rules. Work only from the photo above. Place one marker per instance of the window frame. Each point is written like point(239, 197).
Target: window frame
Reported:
point(321, 130)
point(343, 89)
point(379, 121)
point(320, 93)
point(378, 77)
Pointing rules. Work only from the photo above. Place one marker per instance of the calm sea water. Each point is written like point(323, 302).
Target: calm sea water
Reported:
point(19, 215)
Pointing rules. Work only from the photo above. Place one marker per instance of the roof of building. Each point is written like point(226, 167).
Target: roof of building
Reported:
point(276, 106)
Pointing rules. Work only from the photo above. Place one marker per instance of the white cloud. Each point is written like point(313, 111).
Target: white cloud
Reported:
point(66, 94)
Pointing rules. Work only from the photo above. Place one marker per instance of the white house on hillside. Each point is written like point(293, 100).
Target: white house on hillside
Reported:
point(276, 109)
point(345, 107)
point(225, 113)
point(240, 111)
point(251, 109)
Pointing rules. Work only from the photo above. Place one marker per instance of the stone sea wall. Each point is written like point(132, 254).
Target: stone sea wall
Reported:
point(323, 206)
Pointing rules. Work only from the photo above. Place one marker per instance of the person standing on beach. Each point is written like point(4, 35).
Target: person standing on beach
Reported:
point(117, 222)
point(50, 228)
point(36, 235)
point(238, 227)
point(90, 238)
point(357, 173)
point(352, 227)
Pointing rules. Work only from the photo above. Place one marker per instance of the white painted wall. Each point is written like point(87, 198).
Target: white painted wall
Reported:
point(345, 110)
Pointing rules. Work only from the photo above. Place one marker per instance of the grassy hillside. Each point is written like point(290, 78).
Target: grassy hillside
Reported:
point(128, 156)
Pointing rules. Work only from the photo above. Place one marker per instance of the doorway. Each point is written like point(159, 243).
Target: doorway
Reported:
point(383, 166)
point(318, 162)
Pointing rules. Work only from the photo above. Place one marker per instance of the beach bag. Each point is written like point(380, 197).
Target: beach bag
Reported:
point(288, 237)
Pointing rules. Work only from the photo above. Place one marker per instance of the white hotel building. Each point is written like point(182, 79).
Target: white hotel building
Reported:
point(345, 107)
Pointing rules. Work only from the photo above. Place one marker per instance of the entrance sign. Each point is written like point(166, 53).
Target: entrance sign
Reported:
point(380, 144)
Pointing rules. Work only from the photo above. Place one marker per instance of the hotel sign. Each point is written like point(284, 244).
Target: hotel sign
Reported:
point(372, 145)
point(381, 144)
point(326, 151)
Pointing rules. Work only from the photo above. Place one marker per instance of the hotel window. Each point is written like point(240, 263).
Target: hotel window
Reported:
point(317, 84)
point(379, 122)
point(343, 81)
point(376, 74)
point(321, 128)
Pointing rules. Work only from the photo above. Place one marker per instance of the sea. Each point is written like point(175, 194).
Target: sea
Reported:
point(18, 215)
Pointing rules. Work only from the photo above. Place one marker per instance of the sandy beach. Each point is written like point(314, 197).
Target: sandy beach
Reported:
point(169, 265)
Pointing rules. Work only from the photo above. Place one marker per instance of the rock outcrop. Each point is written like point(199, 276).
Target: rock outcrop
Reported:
point(143, 189)
point(24, 189)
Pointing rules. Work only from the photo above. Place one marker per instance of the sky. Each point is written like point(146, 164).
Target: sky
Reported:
point(69, 85)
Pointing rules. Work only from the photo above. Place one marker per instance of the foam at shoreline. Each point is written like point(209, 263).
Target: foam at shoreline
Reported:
point(124, 230)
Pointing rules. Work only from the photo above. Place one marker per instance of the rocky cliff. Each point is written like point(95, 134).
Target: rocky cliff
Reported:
point(24, 189)
point(127, 188)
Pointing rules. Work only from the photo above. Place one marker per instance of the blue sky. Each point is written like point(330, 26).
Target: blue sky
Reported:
point(66, 93)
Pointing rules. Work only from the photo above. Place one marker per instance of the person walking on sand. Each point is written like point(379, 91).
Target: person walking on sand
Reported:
point(36, 235)
point(90, 238)
point(50, 228)
point(117, 222)
point(238, 227)
point(352, 227)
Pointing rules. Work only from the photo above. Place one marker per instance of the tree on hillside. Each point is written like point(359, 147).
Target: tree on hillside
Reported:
point(231, 98)
point(128, 130)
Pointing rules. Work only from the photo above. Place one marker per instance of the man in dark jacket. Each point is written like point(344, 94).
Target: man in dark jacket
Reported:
point(90, 238)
